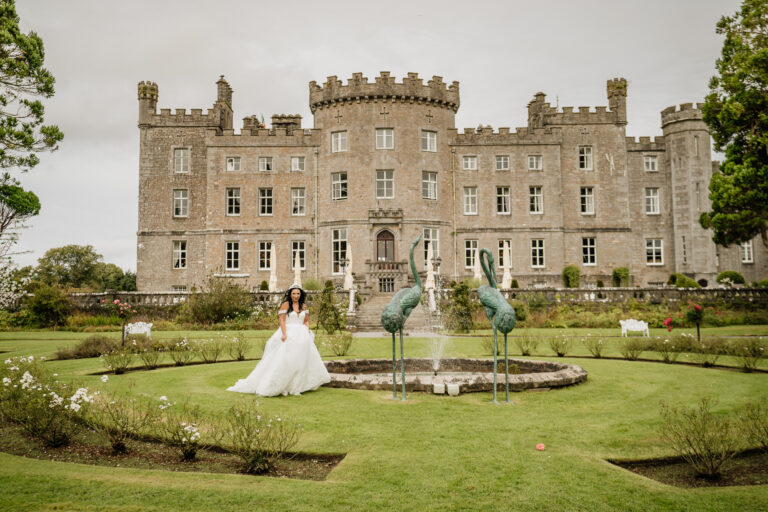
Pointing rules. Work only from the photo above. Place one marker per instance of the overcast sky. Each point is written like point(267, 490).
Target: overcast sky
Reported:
point(501, 52)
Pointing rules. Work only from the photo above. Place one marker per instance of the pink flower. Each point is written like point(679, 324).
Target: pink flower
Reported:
point(116, 301)
point(697, 307)
point(541, 447)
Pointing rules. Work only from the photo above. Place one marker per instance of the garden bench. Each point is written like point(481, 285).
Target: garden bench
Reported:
point(631, 325)
point(139, 328)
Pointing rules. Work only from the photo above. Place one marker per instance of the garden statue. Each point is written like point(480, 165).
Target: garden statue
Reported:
point(499, 313)
point(394, 315)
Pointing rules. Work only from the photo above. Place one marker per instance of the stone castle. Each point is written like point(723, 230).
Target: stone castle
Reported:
point(384, 162)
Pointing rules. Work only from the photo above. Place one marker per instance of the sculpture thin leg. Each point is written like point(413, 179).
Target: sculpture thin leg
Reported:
point(402, 365)
point(495, 363)
point(506, 370)
point(394, 369)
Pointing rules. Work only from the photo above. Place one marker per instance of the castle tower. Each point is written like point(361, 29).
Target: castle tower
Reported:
point(617, 98)
point(689, 159)
point(147, 101)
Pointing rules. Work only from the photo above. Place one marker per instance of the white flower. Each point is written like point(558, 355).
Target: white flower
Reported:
point(8, 361)
point(74, 407)
point(31, 358)
point(104, 378)
point(55, 374)
point(6, 381)
point(163, 398)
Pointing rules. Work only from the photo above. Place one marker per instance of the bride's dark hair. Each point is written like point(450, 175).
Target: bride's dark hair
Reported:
point(287, 298)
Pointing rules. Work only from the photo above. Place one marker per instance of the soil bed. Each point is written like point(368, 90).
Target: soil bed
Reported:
point(746, 468)
point(91, 449)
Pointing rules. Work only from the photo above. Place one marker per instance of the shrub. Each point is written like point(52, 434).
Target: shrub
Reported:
point(328, 315)
point(514, 284)
point(119, 418)
point(459, 317)
point(754, 421)
point(706, 441)
point(259, 441)
point(264, 286)
point(560, 345)
point(683, 281)
point(339, 343)
point(49, 306)
point(631, 348)
point(312, 284)
point(117, 360)
point(730, 277)
point(595, 345)
point(571, 276)
point(526, 344)
point(92, 346)
point(179, 427)
point(708, 351)
point(79, 321)
point(238, 347)
point(209, 349)
point(486, 342)
point(749, 351)
point(762, 284)
point(667, 348)
point(620, 276)
point(223, 301)
point(149, 357)
point(600, 283)
point(180, 351)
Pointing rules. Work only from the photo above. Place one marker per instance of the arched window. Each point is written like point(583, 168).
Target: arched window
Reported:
point(385, 246)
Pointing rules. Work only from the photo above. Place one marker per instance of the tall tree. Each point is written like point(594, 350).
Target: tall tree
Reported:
point(72, 266)
point(736, 110)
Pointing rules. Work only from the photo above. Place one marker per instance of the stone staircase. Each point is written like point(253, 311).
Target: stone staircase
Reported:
point(368, 316)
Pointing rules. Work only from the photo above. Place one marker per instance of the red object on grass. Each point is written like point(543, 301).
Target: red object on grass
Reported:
point(540, 447)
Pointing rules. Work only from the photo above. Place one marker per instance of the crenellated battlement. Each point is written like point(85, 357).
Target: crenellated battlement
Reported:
point(541, 113)
point(486, 136)
point(685, 112)
point(180, 117)
point(264, 137)
point(646, 144)
point(358, 88)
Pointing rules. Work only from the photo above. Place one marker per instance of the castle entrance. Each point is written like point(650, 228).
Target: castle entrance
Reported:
point(385, 258)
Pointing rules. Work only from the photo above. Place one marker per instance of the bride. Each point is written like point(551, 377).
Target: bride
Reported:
point(291, 363)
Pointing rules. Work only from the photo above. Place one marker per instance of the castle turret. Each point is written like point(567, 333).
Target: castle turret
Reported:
point(224, 103)
point(617, 98)
point(147, 101)
point(288, 122)
point(536, 110)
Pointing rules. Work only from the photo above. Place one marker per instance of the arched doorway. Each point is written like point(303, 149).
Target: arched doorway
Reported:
point(385, 246)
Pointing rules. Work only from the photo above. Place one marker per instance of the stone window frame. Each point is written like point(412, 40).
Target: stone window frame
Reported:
point(265, 254)
point(178, 160)
point(651, 163)
point(535, 162)
point(429, 141)
point(502, 163)
point(589, 251)
point(340, 186)
point(587, 200)
point(385, 183)
point(339, 141)
point(180, 203)
point(339, 249)
point(233, 201)
point(500, 200)
point(385, 138)
point(429, 185)
point(652, 202)
point(431, 236)
point(471, 251)
point(538, 254)
point(300, 247)
point(468, 195)
point(536, 200)
point(298, 163)
point(178, 254)
point(654, 252)
point(586, 158)
point(266, 202)
point(469, 162)
point(178, 288)
point(232, 255)
point(232, 164)
point(298, 200)
point(746, 252)
point(266, 164)
point(500, 251)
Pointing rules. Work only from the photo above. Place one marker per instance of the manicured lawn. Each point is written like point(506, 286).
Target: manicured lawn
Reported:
point(429, 453)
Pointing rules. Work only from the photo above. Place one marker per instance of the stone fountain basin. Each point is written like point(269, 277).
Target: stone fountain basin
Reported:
point(470, 374)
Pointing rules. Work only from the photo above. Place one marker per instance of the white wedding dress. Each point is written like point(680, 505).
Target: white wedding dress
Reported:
point(287, 367)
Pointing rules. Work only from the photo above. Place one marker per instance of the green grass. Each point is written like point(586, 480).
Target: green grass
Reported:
point(429, 453)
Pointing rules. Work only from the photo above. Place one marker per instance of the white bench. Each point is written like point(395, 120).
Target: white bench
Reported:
point(631, 325)
point(139, 328)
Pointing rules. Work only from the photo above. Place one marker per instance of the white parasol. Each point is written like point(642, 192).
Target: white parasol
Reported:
point(348, 281)
point(430, 283)
point(272, 269)
point(506, 279)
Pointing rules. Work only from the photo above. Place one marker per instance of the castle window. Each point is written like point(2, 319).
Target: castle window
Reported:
point(233, 201)
point(470, 253)
point(535, 200)
point(503, 201)
point(587, 201)
point(265, 255)
point(652, 201)
point(470, 200)
point(502, 162)
point(233, 256)
point(585, 158)
point(747, 256)
point(265, 201)
point(180, 254)
point(385, 184)
point(588, 251)
point(233, 163)
point(654, 251)
point(431, 237)
point(698, 196)
point(339, 185)
point(537, 253)
point(338, 141)
point(298, 202)
point(428, 141)
point(534, 162)
point(650, 163)
point(385, 138)
point(265, 163)
point(684, 250)
point(338, 250)
point(428, 185)
point(501, 259)
point(470, 163)
point(297, 163)
point(298, 249)
point(181, 160)
point(178, 288)
point(180, 202)
point(696, 145)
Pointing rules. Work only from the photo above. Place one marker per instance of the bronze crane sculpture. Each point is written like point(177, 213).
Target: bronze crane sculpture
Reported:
point(394, 315)
point(499, 313)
